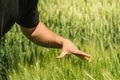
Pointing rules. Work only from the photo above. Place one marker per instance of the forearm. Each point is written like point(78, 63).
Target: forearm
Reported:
point(41, 35)
point(44, 37)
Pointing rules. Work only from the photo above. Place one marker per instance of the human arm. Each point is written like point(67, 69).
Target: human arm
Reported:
point(42, 36)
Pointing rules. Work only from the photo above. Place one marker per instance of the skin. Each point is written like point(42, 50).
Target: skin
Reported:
point(42, 36)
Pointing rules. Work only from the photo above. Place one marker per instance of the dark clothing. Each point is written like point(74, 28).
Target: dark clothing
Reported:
point(23, 12)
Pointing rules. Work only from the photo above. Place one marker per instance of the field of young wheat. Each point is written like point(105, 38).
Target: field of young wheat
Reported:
point(92, 25)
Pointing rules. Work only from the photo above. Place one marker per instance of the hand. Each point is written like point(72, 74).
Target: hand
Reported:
point(69, 48)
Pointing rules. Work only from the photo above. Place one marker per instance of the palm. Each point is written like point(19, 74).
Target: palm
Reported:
point(69, 48)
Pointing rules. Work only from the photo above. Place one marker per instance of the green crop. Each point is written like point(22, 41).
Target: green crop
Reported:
point(92, 25)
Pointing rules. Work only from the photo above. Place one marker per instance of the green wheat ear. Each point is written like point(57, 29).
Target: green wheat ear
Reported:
point(94, 27)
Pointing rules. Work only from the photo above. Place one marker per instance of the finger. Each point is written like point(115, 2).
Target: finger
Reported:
point(61, 55)
point(82, 55)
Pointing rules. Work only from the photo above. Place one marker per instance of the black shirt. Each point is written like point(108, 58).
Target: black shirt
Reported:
point(23, 12)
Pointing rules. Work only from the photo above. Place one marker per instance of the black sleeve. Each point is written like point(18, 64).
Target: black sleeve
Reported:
point(30, 19)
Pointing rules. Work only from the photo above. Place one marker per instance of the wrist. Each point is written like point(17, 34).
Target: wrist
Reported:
point(61, 41)
point(64, 41)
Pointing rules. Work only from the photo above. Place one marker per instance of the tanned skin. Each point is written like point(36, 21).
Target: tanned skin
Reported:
point(43, 36)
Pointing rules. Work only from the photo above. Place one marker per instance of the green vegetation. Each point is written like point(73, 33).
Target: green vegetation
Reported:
point(92, 25)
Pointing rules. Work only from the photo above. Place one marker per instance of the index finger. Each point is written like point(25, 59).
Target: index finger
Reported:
point(82, 55)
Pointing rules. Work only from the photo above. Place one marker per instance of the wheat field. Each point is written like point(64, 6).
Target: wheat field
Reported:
point(92, 25)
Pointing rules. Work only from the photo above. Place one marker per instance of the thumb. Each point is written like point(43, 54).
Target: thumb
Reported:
point(61, 55)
